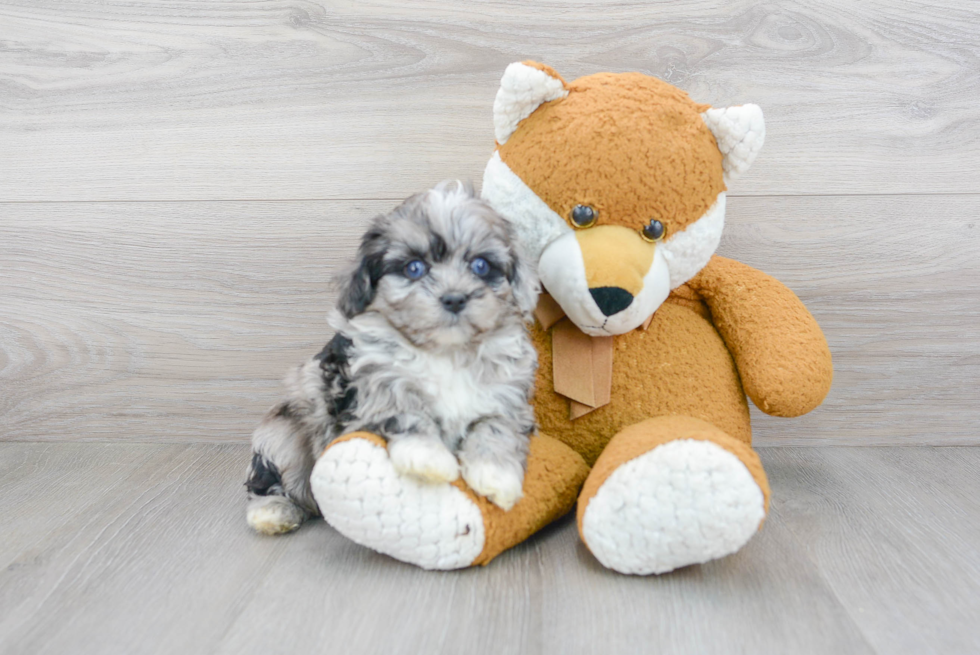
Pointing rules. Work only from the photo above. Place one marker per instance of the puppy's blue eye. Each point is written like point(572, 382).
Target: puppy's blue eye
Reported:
point(480, 267)
point(415, 269)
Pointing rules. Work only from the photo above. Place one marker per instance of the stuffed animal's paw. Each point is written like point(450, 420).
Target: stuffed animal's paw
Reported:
point(684, 502)
point(359, 492)
point(501, 485)
point(424, 458)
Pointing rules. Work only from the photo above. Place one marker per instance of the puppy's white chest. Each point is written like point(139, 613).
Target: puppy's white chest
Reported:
point(454, 390)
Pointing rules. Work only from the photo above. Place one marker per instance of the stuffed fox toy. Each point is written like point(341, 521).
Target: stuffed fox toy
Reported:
point(648, 342)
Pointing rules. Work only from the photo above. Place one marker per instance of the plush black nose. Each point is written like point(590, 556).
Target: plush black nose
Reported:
point(611, 300)
point(453, 302)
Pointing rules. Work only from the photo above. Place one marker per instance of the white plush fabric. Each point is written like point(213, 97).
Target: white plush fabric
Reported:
point(685, 502)
point(535, 223)
point(522, 90)
point(740, 132)
point(434, 526)
point(687, 252)
point(562, 272)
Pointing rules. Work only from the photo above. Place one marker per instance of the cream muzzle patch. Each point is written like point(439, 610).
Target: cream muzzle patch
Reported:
point(614, 299)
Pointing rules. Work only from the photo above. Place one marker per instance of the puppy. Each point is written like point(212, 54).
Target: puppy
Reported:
point(431, 352)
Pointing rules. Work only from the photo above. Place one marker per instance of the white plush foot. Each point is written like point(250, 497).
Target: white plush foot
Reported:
point(685, 502)
point(274, 515)
point(426, 459)
point(434, 526)
point(501, 486)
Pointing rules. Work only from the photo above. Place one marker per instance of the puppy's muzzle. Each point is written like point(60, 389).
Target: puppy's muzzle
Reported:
point(454, 302)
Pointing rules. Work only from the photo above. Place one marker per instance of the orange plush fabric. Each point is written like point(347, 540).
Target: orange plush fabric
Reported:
point(631, 146)
point(636, 149)
point(766, 327)
point(679, 365)
point(554, 476)
point(643, 437)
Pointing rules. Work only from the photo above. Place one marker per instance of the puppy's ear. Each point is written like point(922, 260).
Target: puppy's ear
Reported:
point(358, 287)
point(523, 278)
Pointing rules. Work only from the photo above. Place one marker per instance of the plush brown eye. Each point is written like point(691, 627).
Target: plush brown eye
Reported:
point(653, 231)
point(583, 216)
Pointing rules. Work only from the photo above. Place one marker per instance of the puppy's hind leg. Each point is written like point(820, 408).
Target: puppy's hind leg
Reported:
point(277, 492)
point(283, 447)
point(274, 515)
point(270, 510)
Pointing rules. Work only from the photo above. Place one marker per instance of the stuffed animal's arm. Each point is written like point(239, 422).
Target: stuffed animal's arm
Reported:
point(780, 351)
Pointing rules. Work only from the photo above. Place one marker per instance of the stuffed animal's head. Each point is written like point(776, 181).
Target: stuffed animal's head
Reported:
point(615, 184)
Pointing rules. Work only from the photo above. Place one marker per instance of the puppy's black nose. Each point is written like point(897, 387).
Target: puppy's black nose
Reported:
point(453, 302)
point(611, 300)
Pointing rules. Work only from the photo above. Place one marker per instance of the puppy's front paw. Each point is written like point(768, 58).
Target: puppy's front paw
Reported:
point(423, 458)
point(502, 486)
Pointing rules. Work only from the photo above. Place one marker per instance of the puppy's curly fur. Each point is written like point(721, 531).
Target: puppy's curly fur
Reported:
point(431, 352)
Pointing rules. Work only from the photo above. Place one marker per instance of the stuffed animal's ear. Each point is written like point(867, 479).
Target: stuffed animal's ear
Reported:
point(740, 132)
point(524, 87)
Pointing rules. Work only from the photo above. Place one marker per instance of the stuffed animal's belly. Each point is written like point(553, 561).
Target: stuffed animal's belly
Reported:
point(678, 366)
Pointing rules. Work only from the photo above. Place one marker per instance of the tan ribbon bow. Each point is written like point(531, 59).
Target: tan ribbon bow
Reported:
point(582, 365)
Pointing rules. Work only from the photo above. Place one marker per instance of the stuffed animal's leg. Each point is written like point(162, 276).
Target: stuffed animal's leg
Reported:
point(443, 525)
point(669, 492)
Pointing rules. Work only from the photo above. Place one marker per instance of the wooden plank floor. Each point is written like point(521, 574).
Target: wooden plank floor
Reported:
point(142, 548)
point(179, 181)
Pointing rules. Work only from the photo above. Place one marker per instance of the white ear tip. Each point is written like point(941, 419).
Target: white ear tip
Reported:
point(522, 89)
point(740, 132)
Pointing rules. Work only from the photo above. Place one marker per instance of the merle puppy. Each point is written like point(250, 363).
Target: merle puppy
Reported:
point(431, 352)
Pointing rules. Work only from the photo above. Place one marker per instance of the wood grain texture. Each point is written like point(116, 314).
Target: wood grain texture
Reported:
point(548, 595)
point(161, 321)
point(294, 99)
point(124, 548)
point(895, 532)
point(126, 319)
point(895, 285)
point(175, 321)
point(143, 548)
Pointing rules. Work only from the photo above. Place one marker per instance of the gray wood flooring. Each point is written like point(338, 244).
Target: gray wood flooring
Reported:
point(179, 181)
point(142, 548)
